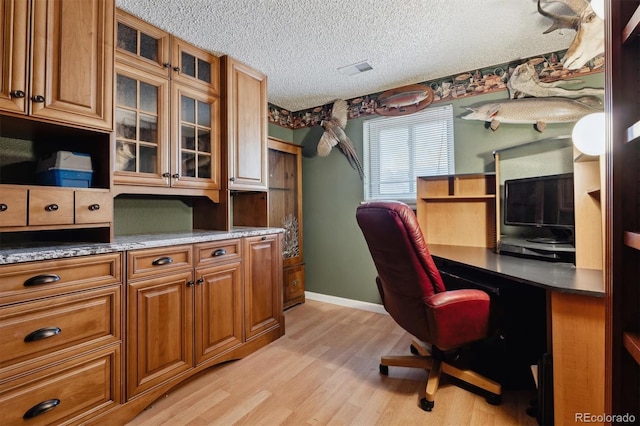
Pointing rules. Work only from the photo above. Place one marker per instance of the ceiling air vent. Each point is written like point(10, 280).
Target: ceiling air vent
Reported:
point(357, 68)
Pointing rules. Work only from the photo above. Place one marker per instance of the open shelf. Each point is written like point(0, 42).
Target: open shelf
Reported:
point(460, 197)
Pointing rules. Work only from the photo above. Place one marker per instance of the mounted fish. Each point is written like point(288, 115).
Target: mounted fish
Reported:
point(334, 135)
point(404, 100)
point(589, 39)
point(524, 81)
point(536, 111)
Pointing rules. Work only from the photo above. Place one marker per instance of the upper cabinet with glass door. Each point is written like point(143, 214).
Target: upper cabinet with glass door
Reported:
point(167, 111)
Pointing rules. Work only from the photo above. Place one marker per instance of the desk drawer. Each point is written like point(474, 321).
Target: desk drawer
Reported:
point(50, 207)
point(71, 390)
point(93, 207)
point(13, 207)
point(46, 327)
point(25, 281)
point(147, 262)
point(218, 252)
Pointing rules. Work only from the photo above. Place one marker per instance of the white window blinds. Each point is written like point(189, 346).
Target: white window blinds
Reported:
point(399, 149)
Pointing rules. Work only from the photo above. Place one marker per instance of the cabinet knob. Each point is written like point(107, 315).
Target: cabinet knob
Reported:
point(232, 179)
point(3, 207)
point(295, 283)
point(166, 65)
point(51, 207)
point(41, 408)
point(17, 94)
point(176, 69)
point(200, 281)
point(37, 98)
point(43, 333)
point(166, 175)
point(175, 176)
point(263, 238)
point(190, 283)
point(94, 207)
point(165, 260)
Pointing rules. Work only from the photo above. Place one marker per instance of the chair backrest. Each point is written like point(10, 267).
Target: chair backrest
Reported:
point(407, 275)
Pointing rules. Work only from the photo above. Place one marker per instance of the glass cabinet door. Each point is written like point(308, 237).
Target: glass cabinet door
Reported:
point(140, 127)
point(196, 139)
point(142, 45)
point(284, 208)
point(195, 67)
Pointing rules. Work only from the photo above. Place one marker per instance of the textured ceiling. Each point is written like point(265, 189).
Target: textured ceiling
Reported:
point(300, 44)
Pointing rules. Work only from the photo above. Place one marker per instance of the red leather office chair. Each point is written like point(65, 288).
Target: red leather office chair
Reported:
point(414, 294)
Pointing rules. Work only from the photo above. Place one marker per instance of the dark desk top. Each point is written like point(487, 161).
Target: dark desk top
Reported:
point(563, 277)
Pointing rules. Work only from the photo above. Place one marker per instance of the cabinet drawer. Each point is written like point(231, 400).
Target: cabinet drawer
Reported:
point(85, 385)
point(93, 207)
point(143, 263)
point(13, 207)
point(218, 252)
point(24, 281)
point(44, 328)
point(293, 282)
point(50, 207)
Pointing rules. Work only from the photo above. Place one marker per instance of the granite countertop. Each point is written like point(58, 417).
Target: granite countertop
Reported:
point(29, 253)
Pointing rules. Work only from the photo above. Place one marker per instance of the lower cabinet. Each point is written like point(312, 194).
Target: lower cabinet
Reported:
point(60, 331)
point(192, 306)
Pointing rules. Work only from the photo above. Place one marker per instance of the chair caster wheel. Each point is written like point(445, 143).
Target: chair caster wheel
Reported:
point(426, 405)
point(413, 350)
point(494, 399)
point(384, 369)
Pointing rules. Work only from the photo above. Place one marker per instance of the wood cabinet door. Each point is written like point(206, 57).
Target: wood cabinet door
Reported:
point(263, 284)
point(72, 62)
point(160, 330)
point(218, 310)
point(246, 109)
point(14, 36)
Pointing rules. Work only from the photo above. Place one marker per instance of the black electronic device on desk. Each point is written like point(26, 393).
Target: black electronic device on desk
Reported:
point(543, 203)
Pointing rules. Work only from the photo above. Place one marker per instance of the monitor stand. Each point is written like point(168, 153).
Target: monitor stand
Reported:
point(560, 236)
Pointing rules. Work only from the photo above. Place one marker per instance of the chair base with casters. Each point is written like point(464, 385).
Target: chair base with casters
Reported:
point(436, 366)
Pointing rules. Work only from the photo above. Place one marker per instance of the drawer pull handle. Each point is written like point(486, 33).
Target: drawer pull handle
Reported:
point(3, 207)
point(41, 279)
point(263, 238)
point(41, 408)
point(51, 207)
point(165, 260)
point(94, 207)
point(219, 252)
point(43, 333)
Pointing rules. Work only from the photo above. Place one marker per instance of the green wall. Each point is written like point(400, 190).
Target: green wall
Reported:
point(337, 259)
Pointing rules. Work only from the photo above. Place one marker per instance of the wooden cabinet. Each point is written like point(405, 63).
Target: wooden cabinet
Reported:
point(218, 299)
point(622, 215)
point(458, 210)
point(190, 306)
point(262, 285)
point(60, 328)
point(58, 61)
point(285, 211)
point(245, 118)
point(167, 113)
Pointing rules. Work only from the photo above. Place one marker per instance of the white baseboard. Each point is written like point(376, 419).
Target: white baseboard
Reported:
point(349, 303)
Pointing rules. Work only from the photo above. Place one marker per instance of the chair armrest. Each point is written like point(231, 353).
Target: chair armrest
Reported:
point(457, 317)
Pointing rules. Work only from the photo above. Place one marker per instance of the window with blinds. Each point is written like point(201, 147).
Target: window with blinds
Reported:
point(399, 149)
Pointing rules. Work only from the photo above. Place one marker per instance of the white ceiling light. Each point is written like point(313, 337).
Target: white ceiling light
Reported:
point(357, 68)
point(588, 134)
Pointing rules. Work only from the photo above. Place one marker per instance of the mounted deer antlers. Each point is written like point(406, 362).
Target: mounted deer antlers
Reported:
point(589, 40)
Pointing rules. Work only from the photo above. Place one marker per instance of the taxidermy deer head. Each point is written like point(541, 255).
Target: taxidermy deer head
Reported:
point(589, 40)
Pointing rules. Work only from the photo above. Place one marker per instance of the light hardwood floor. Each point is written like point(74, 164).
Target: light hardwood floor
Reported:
point(324, 371)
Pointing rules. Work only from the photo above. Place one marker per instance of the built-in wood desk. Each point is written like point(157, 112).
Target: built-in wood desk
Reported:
point(575, 320)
